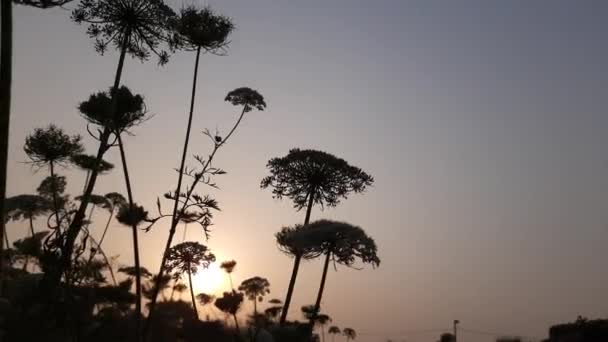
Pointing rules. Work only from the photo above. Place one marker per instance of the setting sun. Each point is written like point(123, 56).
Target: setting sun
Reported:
point(210, 280)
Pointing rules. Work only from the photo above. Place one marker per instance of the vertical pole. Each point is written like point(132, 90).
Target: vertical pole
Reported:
point(456, 330)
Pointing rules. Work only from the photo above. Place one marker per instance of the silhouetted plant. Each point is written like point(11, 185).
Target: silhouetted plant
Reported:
point(148, 289)
point(51, 147)
point(29, 247)
point(132, 271)
point(130, 111)
point(102, 202)
point(341, 242)
point(179, 288)
point(196, 208)
point(309, 312)
point(205, 299)
point(255, 289)
point(322, 320)
point(115, 201)
point(6, 66)
point(230, 303)
point(187, 257)
point(88, 164)
point(273, 312)
point(228, 267)
point(333, 331)
point(27, 207)
point(135, 27)
point(350, 333)
point(311, 177)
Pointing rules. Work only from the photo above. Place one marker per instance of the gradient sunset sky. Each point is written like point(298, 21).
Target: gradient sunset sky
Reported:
point(484, 123)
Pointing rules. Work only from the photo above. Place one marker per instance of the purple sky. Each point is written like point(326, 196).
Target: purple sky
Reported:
point(483, 122)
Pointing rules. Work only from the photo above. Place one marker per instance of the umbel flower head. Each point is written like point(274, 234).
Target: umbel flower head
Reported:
point(131, 216)
point(87, 163)
point(302, 173)
point(187, 257)
point(130, 110)
point(204, 29)
point(247, 97)
point(143, 24)
point(51, 145)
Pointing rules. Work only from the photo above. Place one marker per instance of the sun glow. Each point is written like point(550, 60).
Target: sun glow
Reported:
point(210, 281)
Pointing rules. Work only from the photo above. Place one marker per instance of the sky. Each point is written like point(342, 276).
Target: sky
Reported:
point(483, 122)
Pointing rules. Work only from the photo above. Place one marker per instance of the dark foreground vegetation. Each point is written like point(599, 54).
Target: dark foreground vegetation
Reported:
point(58, 284)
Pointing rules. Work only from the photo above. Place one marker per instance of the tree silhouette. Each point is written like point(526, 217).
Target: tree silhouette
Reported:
point(343, 243)
point(333, 331)
point(310, 177)
point(255, 289)
point(230, 303)
point(350, 333)
point(187, 257)
point(202, 205)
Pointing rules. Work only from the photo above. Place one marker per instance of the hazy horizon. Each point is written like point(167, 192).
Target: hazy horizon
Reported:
point(482, 122)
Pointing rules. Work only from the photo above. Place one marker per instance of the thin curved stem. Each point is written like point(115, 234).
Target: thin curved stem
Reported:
point(76, 225)
point(135, 238)
point(296, 264)
point(174, 217)
point(192, 294)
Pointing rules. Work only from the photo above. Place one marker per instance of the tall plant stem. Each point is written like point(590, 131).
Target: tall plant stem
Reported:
point(135, 239)
point(27, 257)
point(296, 262)
point(174, 218)
point(6, 61)
point(76, 225)
point(321, 287)
point(55, 197)
point(192, 293)
point(103, 235)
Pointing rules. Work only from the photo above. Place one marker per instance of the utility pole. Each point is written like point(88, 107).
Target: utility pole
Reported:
point(456, 322)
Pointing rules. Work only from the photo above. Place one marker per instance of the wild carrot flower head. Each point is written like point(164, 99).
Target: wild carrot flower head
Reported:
point(143, 25)
point(247, 97)
point(194, 28)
